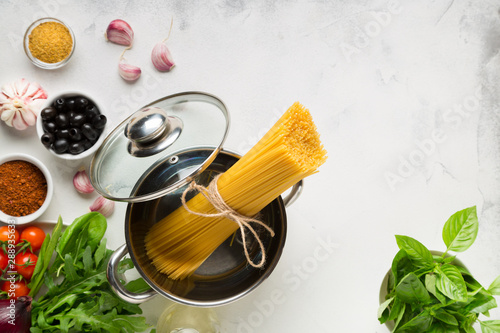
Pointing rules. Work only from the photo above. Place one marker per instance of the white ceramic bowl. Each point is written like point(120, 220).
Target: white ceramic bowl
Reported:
point(50, 188)
point(67, 156)
point(37, 62)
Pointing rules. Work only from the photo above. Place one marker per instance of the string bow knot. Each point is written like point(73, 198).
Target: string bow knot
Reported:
point(211, 193)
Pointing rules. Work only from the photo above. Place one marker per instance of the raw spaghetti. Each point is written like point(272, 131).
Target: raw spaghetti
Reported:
point(290, 151)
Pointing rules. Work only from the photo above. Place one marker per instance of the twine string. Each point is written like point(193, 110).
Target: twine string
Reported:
point(211, 193)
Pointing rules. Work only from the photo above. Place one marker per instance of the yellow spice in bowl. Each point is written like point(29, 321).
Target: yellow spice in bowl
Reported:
point(50, 42)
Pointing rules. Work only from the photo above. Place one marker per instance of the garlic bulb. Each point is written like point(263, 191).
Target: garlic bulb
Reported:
point(20, 103)
point(128, 72)
point(120, 32)
point(81, 182)
point(161, 57)
point(103, 206)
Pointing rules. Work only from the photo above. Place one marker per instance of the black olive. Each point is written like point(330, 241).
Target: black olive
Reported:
point(99, 121)
point(91, 111)
point(62, 133)
point(59, 104)
point(70, 104)
point(49, 126)
point(48, 113)
point(62, 120)
point(81, 103)
point(89, 132)
point(87, 143)
point(76, 148)
point(77, 120)
point(47, 139)
point(75, 134)
point(60, 146)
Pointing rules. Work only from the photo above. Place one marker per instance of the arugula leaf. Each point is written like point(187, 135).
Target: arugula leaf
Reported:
point(81, 299)
point(411, 290)
point(137, 286)
point(460, 231)
point(490, 326)
point(451, 283)
point(419, 255)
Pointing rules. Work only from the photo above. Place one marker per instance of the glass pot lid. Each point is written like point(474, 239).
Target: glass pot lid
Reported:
point(154, 135)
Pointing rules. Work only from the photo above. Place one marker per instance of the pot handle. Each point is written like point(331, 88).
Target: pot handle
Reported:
point(114, 282)
point(294, 193)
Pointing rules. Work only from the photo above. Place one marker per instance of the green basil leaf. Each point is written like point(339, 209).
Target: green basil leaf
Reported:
point(460, 231)
point(494, 288)
point(418, 324)
point(93, 222)
point(481, 303)
point(451, 283)
point(412, 290)
point(401, 309)
point(468, 329)
point(383, 311)
point(490, 326)
point(449, 259)
point(419, 255)
point(430, 285)
point(443, 316)
point(440, 327)
point(401, 265)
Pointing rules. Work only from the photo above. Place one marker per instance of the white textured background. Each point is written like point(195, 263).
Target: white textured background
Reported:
point(404, 93)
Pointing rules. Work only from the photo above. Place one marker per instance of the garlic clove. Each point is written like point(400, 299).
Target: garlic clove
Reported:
point(81, 182)
point(128, 72)
point(162, 58)
point(120, 32)
point(103, 206)
point(20, 103)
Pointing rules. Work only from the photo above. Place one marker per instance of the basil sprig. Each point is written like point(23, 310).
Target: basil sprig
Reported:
point(432, 293)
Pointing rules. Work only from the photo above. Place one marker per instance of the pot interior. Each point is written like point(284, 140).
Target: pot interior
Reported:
point(225, 276)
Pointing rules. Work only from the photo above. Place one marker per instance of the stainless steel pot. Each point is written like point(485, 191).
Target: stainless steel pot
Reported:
point(148, 160)
point(225, 276)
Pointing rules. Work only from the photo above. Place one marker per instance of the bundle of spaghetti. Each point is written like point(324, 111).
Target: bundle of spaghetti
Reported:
point(290, 151)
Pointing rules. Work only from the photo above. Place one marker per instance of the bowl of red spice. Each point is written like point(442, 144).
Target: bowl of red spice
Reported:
point(49, 43)
point(25, 188)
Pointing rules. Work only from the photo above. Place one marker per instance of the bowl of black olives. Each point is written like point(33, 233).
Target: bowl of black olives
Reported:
point(71, 126)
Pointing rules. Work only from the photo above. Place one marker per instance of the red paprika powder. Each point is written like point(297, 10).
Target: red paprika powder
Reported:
point(23, 188)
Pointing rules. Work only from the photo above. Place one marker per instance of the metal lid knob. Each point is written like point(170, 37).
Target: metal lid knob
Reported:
point(147, 125)
point(151, 130)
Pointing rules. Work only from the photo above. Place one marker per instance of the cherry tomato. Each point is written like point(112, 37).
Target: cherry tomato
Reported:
point(4, 260)
point(25, 264)
point(9, 234)
point(35, 236)
point(15, 289)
